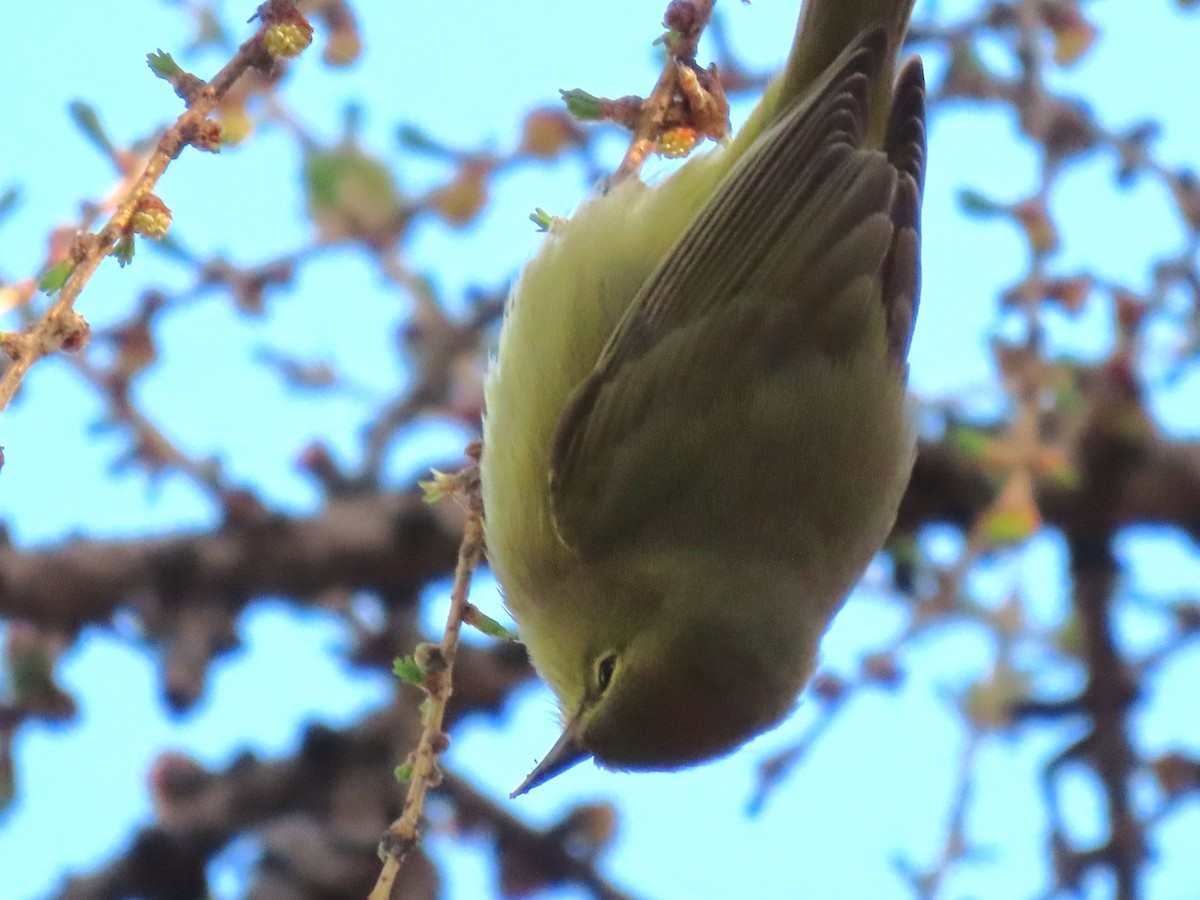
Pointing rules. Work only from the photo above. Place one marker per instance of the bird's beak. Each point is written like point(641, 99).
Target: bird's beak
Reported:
point(565, 753)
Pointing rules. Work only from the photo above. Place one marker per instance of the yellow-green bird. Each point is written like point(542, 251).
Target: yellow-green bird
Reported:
point(696, 434)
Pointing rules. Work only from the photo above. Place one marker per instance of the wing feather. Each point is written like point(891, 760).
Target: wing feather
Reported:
point(768, 321)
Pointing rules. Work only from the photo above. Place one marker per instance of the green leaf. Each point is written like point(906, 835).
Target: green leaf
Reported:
point(542, 219)
point(9, 200)
point(55, 277)
point(163, 65)
point(440, 486)
point(406, 669)
point(977, 204)
point(971, 442)
point(903, 547)
point(1005, 527)
point(345, 179)
point(489, 626)
point(169, 245)
point(1068, 477)
point(413, 138)
point(583, 105)
point(123, 251)
point(88, 121)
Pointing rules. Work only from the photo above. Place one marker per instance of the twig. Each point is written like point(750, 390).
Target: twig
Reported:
point(686, 20)
point(59, 326)
point(403, 834)
point(928, 885)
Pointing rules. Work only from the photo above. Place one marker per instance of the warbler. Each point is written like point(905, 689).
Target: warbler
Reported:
point(696, 433)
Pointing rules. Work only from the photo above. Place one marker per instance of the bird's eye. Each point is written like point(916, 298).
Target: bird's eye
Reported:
point(604, 670)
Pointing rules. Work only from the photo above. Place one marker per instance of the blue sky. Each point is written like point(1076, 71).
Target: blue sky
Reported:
point(878, 784)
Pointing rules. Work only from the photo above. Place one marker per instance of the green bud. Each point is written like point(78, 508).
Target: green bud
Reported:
point(406, 669)
point(583, 105)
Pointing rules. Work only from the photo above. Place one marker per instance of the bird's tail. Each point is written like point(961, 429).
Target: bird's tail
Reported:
point(825, 29)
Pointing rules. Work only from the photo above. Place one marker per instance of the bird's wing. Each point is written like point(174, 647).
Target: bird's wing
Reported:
point(804, 260)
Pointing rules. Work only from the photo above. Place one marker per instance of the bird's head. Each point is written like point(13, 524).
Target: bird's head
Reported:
point(676, 693)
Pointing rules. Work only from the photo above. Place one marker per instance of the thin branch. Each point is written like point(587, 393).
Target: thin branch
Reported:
point(60, 327)
point(955, 845)
point(425, 773)
point(677, 82)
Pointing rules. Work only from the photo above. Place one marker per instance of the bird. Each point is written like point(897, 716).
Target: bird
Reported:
point(696, 432)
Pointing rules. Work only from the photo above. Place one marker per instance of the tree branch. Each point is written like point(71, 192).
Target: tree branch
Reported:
point(393, 543)
point(396, 542)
